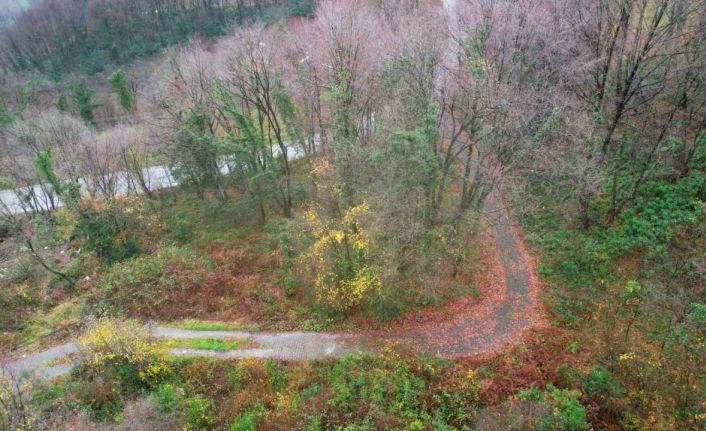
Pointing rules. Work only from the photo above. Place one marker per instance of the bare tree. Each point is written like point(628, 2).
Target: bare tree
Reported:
point(635, 62)
point(135, 158)
point(254, 84)
point(64, 136)
point(15, 412)
point(192, 118)
point(498, 97)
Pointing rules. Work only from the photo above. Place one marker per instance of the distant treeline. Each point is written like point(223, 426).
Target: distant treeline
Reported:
point(59, 36)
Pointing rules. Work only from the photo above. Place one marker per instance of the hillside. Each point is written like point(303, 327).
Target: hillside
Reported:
point(335, 215)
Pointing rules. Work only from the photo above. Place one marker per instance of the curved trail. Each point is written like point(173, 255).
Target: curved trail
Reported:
point(465, 328)
point(510, 303)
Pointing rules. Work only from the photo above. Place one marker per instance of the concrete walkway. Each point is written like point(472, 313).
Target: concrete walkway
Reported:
point(279, 345)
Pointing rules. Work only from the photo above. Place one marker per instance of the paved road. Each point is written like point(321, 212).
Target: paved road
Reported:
point(280, 345)
point(41, 197)
point(511, 305)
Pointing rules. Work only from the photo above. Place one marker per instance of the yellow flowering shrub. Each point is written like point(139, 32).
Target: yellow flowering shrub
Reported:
point(341, 259)
point(111, 343)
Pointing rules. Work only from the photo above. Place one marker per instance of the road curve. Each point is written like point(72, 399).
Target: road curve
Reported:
point(502, 320)
point(509, 305)
point(472, 329)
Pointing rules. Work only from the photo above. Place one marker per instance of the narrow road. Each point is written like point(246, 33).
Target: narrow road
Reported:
point(466, 328)
point(509, 306)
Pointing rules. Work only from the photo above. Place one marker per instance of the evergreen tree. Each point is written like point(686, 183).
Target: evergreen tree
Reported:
point(121, 87)
point(62, 104)
point(83, 97)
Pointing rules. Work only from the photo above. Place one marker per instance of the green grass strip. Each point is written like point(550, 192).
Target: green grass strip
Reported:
point(216, 344)
point(198, 325)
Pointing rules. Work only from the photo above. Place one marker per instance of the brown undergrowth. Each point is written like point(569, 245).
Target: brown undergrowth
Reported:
point(232, 283)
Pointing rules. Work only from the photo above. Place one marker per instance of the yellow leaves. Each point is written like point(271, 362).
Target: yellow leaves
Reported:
point(311, 217)
point(154, 371)
point(341, 293)
point(360, 243)
point(109, 342)
point(341, 259)
point(284, 401)
point(353, 214)
point(470, 383)
point(471, 374)
point(320, 168)
point(337, 235)
point(364, 281)
point(480, 64)
point(627, 356)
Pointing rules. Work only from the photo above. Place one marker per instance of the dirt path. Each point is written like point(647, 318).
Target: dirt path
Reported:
point(464, 327)
point(509, 305)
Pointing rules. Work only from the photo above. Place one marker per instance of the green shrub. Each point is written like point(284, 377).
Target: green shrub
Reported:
point(277, 375)
point(567, 413)
point(582, 260)
point(304, 8)
point(180, 227)
point(382, 387)
point(116, 229)
point(247, 421)
point(237, 376)
point(122, 88)
point(533, 393)
point(601, 381)
point(100, 397)
point(198, 413)
point(167, 397)
point(456, 399)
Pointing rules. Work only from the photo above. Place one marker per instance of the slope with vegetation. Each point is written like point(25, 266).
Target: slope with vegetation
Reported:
point(333, 167)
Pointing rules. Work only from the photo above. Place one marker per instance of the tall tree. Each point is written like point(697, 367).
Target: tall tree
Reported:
point(85, 105)
point(123, 89)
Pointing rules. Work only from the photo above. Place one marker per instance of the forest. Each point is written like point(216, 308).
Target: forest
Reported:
point(353, 215)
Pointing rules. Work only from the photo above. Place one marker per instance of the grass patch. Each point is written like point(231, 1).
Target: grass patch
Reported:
point(66, 359)
point(45, 327)
point(200, 325)
point(216, 344)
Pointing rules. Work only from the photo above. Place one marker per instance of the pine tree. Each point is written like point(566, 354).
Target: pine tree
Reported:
point(83, 96)
point(121, 87)
point(62, 104)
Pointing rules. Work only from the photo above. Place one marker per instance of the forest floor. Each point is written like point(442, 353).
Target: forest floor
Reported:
point(509, 308)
